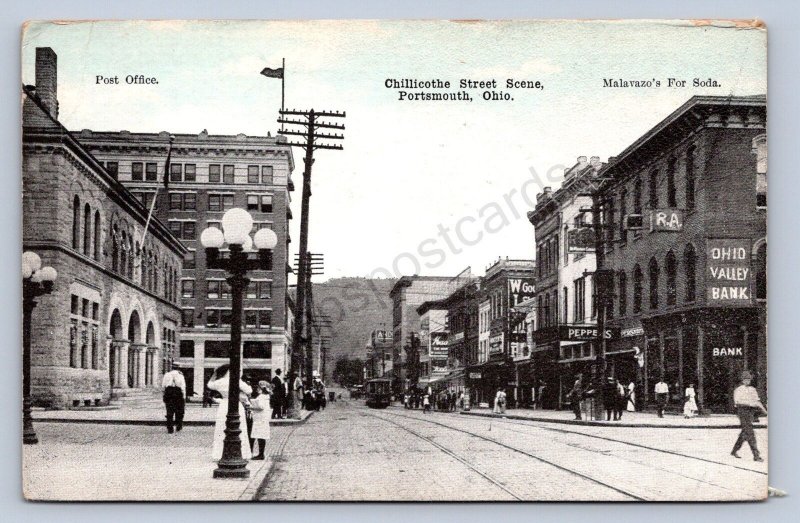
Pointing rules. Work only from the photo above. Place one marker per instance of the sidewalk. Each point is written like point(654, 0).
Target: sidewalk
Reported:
point(151, 413)
point(125, 463)
point(629, 419)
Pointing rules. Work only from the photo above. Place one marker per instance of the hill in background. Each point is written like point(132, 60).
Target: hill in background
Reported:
point(355, 306)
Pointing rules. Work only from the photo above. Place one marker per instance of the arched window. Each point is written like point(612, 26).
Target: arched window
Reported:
point(97, 248)
point(76, 223)
point(87, 230)
point(114, 248)
point(653, 273)
point(637, 196)
point(138, 274)
point(690, 267)
point(637, 289)
point(761, 271)
point(129, 269)
point(671, 266)
point(123, 258)
point(654, 190)
point(623, 293)
point(672, 199)
point(690, 182)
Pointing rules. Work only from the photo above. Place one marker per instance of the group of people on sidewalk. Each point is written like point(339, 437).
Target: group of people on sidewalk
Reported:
point(616, 397)
point(444, 400)
point(258, 403)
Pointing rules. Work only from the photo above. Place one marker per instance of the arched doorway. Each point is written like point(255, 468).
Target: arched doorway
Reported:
point(150, 355)
point(135, 338)
point(115, 331)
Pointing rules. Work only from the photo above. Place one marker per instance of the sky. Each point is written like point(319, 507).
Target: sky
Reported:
point(425, 187)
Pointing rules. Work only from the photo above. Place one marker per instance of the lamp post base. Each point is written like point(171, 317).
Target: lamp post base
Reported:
point(232, 469)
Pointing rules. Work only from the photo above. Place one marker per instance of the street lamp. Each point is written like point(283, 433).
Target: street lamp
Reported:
point(36, 281)
point(236, 225)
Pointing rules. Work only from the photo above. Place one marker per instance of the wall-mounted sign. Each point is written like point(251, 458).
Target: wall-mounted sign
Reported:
point(666, 220)
point(519, 290)
point(581, 240)
point(585, 333)
point(438, 344)
point(631, 332)
point(727, 351)
point(474, 375)
point(728, 273)
point(496, 343)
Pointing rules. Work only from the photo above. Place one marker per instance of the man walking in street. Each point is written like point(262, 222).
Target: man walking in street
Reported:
point(278, 397)
point(747, 402)
point(575, 395)
point(174, 386)
point(662, 395)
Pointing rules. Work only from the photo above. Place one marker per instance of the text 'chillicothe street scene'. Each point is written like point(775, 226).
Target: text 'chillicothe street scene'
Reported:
point(180, 344)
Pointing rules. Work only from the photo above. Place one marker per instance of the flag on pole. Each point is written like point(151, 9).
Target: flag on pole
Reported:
point(273, 73)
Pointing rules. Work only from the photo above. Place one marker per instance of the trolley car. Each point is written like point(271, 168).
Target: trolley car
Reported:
point(378, 393)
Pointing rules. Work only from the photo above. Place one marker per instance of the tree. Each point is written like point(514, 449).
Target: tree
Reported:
point(348, 372)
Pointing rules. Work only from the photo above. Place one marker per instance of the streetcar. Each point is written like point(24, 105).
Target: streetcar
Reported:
point(378, 393)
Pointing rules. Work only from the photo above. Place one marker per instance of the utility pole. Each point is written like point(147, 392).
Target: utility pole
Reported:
point(309, 124)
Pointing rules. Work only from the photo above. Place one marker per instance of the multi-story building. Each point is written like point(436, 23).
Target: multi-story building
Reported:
point(462, 332)
point(209, 174)
point(685, 236)
point(484, 329)
point(565, 304)
point(408, 293)
point(111, 322)
point(433, 332)
point(379, 354)
point(506, 284)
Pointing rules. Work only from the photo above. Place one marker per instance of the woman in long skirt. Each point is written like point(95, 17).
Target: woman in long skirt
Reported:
point(631, 406)
point(261, 416)
point(220, 382)
point(690, 406)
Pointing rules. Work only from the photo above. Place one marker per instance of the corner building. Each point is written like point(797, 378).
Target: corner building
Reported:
point(111, 322)
point(210, 174)
point(690, 285)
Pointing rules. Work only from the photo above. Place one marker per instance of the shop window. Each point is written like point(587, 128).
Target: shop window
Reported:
point(257, 349)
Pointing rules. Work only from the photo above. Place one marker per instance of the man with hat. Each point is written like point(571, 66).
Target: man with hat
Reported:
point(746, 399)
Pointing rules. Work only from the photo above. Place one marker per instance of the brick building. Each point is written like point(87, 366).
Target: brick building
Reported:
point(690, 286)
point(433, 332)
point(565, 290)
point(210, 174)
point(408, 293)
point(506, 284)
point(112, 319)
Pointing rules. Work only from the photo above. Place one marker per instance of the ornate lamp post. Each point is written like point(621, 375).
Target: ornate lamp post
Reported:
point(236, 225)
point(36, 281)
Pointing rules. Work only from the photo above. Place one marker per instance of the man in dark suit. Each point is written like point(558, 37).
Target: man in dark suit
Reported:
point(278, 398)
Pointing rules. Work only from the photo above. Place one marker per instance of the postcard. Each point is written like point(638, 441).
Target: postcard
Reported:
point(431, 260)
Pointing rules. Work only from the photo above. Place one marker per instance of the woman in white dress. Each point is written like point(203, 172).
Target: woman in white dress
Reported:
point(690, 406)
point(631, 407)
point(220, 382)
point(262, 412)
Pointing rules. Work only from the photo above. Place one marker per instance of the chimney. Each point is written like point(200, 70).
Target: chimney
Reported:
point(47, 79)
point(594, 161)
point(581, 161)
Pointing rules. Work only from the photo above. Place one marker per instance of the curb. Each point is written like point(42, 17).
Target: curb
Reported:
point(605, 423)
point(160, 423)
point(256, 483)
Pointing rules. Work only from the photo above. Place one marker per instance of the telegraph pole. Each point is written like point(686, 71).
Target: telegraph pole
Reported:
point(309, 125)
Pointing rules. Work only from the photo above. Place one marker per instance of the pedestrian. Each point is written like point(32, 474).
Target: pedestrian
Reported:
point(220, 382)
point(575, 395)
point(631, 407)
point(426, 404)
point(747, 402)
point(262, 412)
point(690, 403)
point(622, 401)
point(248, 411)
point(278, 395)
point(174, 386)
point(609, 395)
point(461, 400)
point(662, 396)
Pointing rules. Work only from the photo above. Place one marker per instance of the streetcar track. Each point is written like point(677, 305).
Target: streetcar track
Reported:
point(614, 440)
point(520, 451)
point(454, 456)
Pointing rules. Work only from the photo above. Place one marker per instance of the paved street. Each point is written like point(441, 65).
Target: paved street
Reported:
point(349, 452)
